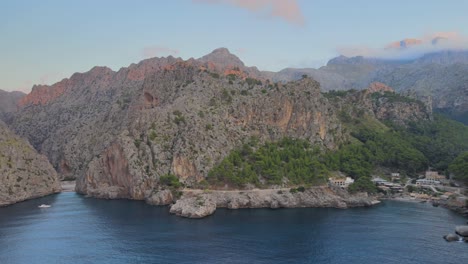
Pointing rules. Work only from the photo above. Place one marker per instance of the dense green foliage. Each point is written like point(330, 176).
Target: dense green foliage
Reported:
point(385, 148)
point(363, 184)
point(459, 167)
point(170, 180)
point(441, 140)
point(409, 150)
point(294, 160)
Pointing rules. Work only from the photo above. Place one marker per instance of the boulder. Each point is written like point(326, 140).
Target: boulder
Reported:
point(451, 237)
point(462, 230)
point(194, 207)
point(162, 197)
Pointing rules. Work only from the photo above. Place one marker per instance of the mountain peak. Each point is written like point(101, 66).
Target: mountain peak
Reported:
point(223, 58)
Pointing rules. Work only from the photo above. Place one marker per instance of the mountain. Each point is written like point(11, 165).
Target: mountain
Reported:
point(120, 133)
point(24, 174)
point(437, 77)
point(8, 103)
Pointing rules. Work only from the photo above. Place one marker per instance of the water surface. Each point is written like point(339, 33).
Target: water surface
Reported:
point(85, 230)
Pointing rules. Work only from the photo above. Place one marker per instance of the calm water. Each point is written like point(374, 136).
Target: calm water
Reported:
point(84, 230)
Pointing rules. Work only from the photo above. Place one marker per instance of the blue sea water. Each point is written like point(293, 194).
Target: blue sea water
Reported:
point(85, 230)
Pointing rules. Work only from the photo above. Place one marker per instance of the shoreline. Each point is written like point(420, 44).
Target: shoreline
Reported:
point(68, 186)
point(198, 203)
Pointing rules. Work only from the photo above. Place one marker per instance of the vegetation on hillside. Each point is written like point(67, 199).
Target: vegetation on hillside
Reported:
point(409, 150)
point(459, 167)
point(292, 159)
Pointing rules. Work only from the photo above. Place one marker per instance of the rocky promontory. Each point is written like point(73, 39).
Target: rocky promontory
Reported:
point(24, 174)
point(198, 203)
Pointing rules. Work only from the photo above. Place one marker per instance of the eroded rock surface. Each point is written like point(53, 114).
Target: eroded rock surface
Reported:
point(24, 174)
point(202, 202)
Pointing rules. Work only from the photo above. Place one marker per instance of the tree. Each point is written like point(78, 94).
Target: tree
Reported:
point(459, 167)
point(363, 184)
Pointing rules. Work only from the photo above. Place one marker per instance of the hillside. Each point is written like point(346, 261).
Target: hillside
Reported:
point(119, 132)
point(8, 103)
point(24, 174)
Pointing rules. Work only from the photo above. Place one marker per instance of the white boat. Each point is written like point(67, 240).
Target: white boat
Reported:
point(44, 206)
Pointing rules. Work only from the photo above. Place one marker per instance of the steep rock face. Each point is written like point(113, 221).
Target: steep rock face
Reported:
point(8, 103)
point(24, 174)
point(380, 101)
point(118, 132)
point(198, 120)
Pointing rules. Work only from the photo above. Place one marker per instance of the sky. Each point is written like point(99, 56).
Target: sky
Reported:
point(45, 41)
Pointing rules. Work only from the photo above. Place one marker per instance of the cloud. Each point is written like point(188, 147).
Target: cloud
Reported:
point(157, 51)
point(410, 47)
point(288, 10)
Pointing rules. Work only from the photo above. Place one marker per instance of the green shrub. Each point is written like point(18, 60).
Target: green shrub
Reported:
point(137, 143)
point(170, 180)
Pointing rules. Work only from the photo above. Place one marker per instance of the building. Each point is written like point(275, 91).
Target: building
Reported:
point(435, 177)
point(341, 182)
point(395, 176)
point(379, 181)
point(427, 182)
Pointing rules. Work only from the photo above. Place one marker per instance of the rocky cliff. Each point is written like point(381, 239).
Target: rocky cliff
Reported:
point(198, 204)
point(24, 174)
point(438, 76)
point(8, 103)
point(118, 132)
point(195, 122)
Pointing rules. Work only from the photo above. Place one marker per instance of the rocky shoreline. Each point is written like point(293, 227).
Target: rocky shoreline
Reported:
point(453, 205)
point(199, 203)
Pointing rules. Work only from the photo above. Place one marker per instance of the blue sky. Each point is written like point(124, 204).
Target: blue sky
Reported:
point(47, 40)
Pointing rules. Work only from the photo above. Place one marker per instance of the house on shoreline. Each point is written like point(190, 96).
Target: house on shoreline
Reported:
point(341, 182)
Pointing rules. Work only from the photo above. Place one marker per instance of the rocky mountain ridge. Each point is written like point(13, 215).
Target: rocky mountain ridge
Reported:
point(118, 132)
point(24, 174)
point(9, 103)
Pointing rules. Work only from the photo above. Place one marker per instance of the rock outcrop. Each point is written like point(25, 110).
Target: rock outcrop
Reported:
point(8, 104)
point(194, 207)
point(451, 238)
point(462, 230)
point(24, 174)
point(200, 204)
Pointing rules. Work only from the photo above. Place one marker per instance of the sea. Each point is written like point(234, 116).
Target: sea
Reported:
point(77, 229)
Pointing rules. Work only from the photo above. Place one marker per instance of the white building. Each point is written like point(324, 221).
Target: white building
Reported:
point(341, 182)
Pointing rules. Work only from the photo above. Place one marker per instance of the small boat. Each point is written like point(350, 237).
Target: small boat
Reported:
point(44, 206)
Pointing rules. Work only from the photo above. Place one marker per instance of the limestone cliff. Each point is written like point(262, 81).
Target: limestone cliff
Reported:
point(118, 132)
point(8, 103)
point(24, 174)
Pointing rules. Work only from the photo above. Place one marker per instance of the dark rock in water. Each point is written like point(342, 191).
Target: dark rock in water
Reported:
point(462, 230)
point(435, 204)
point(451, 237)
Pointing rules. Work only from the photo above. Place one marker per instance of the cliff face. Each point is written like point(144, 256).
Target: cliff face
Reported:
point(380, 102)
point(118, 132)
point(8, 103)
point(192, 120)
point(24, 174)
